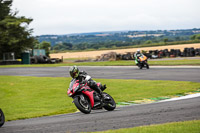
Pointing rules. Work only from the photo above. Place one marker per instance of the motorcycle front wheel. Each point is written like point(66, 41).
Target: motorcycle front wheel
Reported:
point(110, 104)
point(147, 65)
point(141, 66)
point(83, 104)
point(2, 118)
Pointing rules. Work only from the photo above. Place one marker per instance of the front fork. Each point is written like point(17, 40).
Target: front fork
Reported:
point(81, 97)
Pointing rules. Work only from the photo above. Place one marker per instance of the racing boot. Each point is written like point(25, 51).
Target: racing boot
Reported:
point(104, 97)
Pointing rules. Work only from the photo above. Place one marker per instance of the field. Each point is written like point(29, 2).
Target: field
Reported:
point(27, 97)
point(94, 54)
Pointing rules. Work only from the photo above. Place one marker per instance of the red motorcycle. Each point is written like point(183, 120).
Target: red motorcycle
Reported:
point(86, 99)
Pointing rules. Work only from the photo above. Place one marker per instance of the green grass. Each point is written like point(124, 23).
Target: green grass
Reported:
point(175, 62)
point(174, 127)
point(115, 63)
point(36, 65)
point(27, 97)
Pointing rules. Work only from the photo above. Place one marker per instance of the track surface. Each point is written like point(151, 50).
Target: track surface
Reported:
point(127, 72)
point(122, 117)
point(131, 116)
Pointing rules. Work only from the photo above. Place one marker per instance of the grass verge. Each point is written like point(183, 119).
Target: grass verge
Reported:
point(116, 63)
point(174, 127)
point(27, 97)
point(175, 62)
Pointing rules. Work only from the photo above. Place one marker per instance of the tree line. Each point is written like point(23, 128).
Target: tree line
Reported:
point(145, 41)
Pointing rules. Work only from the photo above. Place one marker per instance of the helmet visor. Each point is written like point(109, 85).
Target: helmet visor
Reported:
point(74, 74)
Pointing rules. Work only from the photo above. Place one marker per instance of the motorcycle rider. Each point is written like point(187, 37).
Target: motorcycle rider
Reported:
point(82, 76)
point(137, 55)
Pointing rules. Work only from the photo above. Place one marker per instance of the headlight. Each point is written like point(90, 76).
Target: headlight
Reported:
point(69, 94)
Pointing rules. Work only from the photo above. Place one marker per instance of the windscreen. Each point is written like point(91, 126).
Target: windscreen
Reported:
point(71, 84)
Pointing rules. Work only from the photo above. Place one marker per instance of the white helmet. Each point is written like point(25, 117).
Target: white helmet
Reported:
point(138, 50)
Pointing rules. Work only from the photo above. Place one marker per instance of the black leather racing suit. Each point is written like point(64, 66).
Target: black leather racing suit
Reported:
point(83, 76)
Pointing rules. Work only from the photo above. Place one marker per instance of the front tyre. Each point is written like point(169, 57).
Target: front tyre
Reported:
point(83, 104)
point(109, 104)
point(2, 118)
point(140, 65)
point(147, 65)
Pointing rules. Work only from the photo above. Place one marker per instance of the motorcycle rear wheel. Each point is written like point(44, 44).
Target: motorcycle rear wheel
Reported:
point(82, 104)
point(110, 105)
point(2, 118)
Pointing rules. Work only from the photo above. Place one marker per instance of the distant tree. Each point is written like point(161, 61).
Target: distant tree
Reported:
point(14, 33)
point(192, 37)
point(177, 38)
point(165, 40)
point(56, 47)
point(148, 42)
point(68, 45)
point(198, 37)
point(46, 46)
point(36, 44)
point(60, 47)
point(195, 37)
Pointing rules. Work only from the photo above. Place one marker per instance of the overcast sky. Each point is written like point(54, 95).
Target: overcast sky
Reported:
point(78, 16)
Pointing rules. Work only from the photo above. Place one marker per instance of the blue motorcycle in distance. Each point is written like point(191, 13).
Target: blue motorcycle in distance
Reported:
point(2, 118)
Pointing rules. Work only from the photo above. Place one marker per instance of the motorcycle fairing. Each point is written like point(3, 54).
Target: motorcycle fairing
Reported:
point(90, 95)
point(73, 87)
point(143, 58)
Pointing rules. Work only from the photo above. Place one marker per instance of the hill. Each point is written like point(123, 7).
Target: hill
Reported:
point(96, 40)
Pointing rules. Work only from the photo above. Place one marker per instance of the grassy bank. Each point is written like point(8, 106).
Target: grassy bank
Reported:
point(116, 63)
point(26, 97)
point(174, 127)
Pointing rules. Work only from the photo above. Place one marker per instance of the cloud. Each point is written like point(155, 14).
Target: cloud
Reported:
point(70, 16)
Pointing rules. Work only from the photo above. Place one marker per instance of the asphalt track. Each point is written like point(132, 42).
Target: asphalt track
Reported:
point(177, 73)
point(122, 117)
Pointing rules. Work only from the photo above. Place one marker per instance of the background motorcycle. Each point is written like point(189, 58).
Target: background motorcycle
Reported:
point(86, 99)
point(2, 118)
point(143, 62)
